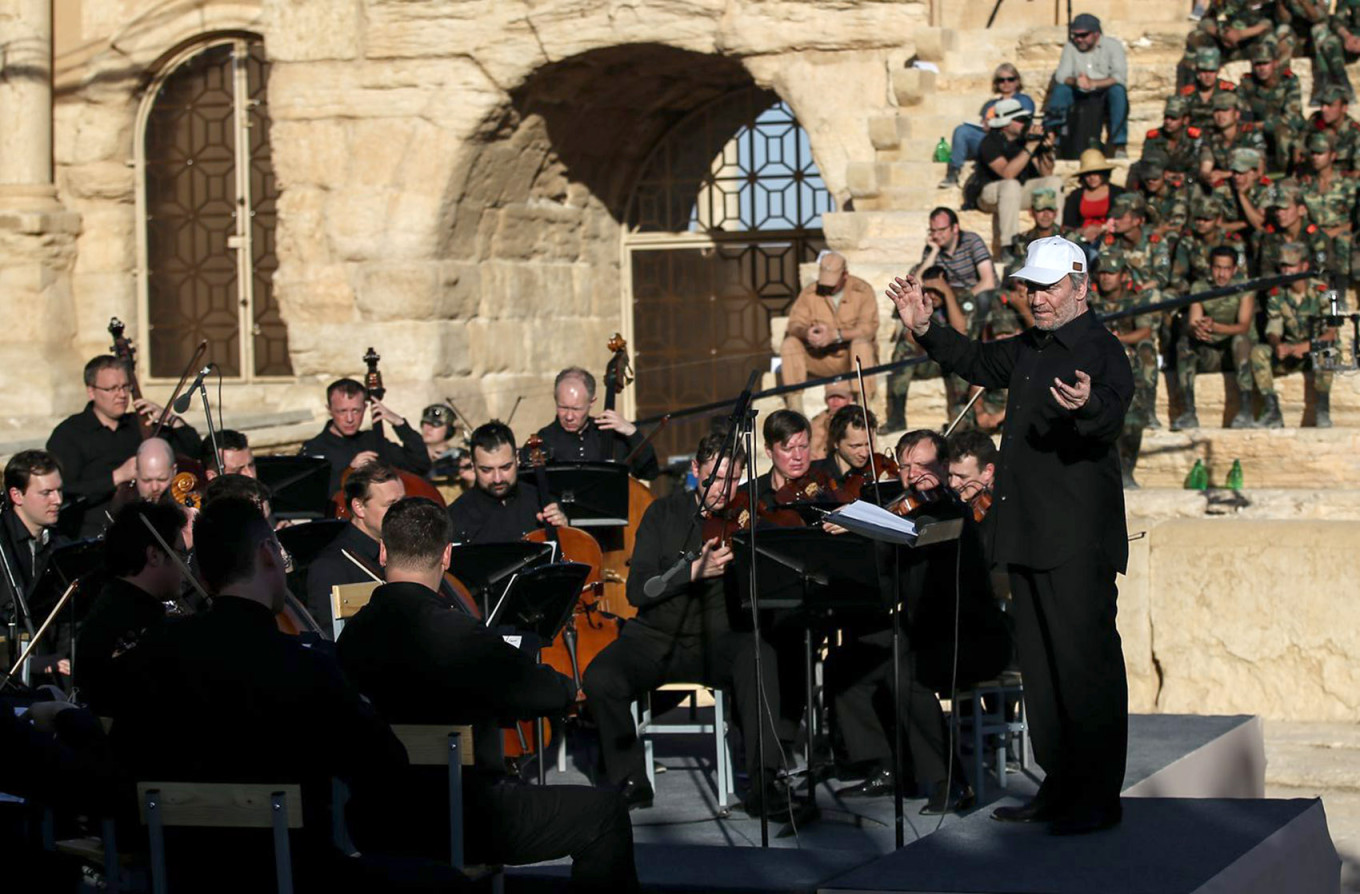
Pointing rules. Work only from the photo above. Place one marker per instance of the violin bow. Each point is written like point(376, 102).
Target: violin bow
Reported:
point(37, 637)
point(949, 429)
point(864, 404)
point(174, 557)
point(362, 566)
point(647, 440)
point(184, 377)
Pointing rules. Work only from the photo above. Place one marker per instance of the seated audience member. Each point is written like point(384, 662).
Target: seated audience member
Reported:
point(1088, 206)
point(948, 311)
point(1014, 161)
point(1218, 337)
point(1288, 346)
point(1094, 64)
point(831, 322)
point(837, 395)
point(1006, 84)
point(421, 661)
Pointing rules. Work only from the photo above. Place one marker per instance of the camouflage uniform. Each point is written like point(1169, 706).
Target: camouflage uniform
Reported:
point(1219, 147)
point(899, 382)
point(1145, 258)
point(1225, 193)
point(1346, 133)
point(1272, 237)
point(1294, 31)
point(1201, 108)
point(1277, 108)
point(1329, 53)
point(1182, 154)
point(1333, 206)
point(1240, 14)
point(1142, 355)
point(1169, 208)
point(1287, 315)
point(1190, 267)
point(1228, 354)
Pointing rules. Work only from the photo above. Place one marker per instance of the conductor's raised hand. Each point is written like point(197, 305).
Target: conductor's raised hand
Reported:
point(913, 307)
point(1072, 397)
point(712, 561)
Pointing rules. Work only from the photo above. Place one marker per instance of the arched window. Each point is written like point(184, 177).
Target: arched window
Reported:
point(727, 207)
point(208, 212)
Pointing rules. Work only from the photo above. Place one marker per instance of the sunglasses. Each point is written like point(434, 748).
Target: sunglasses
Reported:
point(1079, 35)
point(1006, 80)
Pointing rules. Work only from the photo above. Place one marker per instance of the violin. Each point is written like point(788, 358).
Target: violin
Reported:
point(185, 490)
point(815, 486)
point(723, 523)
point(914, 499)
point(980, 504)
point(862, 480)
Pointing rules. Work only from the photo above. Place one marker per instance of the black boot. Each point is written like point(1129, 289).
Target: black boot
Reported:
point(949, 799)
point(951, 178)
point(1130, 443)
point(1324, 410)
point(1244, 418)
point(1188, 418)
point(1270, 416)
point(878, 785)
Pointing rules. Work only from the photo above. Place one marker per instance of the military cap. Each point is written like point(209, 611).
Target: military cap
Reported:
point(1205, 207)
point(1208, 59)
point(1292, 253)
point(1176, 107)
point(1283, 194)
point(1111, 259)
point(1179, 211)
point(1262, 51)
point(1244, 159)
point(1224, 99)
point(1152, 166)
point(1331, 92)
point(1126, 202)
point(1322, 141)
point(1044, 199)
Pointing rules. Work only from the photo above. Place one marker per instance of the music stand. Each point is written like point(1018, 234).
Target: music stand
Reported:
point(808, 568)
point(540, 601)
point(592, 494)
point(299, 486)
point(68, 563)
point(481, 566)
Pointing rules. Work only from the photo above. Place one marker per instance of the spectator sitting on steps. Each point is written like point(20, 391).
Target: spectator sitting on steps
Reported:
point(1014, 160)
point(1006, 83)
point(1094, 65)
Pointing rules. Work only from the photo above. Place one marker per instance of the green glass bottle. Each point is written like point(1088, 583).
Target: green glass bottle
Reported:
point(942, 150)
point(1235, 475)
point(1198, 479)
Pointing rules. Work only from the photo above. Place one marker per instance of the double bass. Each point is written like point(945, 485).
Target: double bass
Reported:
point(618, 545)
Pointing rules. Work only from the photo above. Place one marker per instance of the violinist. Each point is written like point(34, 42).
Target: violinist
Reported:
point(576, 436)
point(836, 395)
point(345, 446)
point(143, 581)
point(849, 432)
point(972, 468)
point(501, 508)
point(96, 447)
point(33, 492)
point(788, 439)
point(237, 458)
point(422, 661)
point(370, 491)
point(860, 670)
point(685, 632)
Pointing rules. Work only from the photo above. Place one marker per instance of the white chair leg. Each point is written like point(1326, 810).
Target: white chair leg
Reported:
point(722, 758)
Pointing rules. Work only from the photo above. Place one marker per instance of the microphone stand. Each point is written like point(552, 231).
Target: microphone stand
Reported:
point(207, 412)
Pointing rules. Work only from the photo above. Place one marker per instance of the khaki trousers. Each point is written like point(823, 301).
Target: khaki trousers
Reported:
point(1007, 198)
point(798, 361)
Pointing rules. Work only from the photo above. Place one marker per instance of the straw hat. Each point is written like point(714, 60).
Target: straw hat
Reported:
point(1093, 160)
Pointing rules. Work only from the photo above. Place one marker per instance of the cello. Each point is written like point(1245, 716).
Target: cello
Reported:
point(416, 486)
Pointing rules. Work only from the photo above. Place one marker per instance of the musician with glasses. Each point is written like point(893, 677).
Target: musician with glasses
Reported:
point(97, 447)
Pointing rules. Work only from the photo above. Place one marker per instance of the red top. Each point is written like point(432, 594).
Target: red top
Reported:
point(1093, 212)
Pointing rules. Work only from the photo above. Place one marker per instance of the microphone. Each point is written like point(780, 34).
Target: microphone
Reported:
point(182, 402)
point(657, 585)
point(744, 399)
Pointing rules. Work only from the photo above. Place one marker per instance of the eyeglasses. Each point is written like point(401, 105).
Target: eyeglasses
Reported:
point(944, 229)
point(113, 389)
point(1006, 79)
point(1079, 35)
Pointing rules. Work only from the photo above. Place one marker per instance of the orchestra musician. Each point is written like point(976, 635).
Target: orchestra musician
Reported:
point(421, 661)
point(237, 457)
point(346, 447)
point(28, 535)
point(501, 508)
point(788, 439)
point(849, 438)
point(155, 468)
point(370, 491)
point(861, 668)
point(576, 436)
point(685, 634)
point(142, 581)
point(1059, 526)
point(96, 447)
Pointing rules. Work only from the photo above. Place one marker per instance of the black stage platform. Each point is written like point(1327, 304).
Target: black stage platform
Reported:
point(1194, 822)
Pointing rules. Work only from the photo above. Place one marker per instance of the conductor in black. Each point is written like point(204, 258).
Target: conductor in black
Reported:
point(1059, 529)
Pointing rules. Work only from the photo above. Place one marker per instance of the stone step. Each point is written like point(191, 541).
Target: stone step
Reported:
point(1112, 13)
point(1277, 503)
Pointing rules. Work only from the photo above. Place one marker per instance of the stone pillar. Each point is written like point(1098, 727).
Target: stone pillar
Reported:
point(38, 378)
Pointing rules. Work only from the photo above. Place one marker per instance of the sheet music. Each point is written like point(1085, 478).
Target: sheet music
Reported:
point(874, 522)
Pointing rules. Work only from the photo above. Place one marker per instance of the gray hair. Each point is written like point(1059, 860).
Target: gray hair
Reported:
point(1079, 280)
point(576, 372)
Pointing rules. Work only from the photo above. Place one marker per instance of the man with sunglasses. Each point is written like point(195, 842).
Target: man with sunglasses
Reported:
point(97, 447)
point(1094, 65)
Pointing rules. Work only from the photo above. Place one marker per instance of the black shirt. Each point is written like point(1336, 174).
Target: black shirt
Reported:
point(593, 444)
point(421, 661)
point(479, 517)
point(27, 559)
point(684, 608)
point(122, 616)
point(1058, 488)
point(330, 568)
point(994, 146)
point(411, 455)
point(88, 452)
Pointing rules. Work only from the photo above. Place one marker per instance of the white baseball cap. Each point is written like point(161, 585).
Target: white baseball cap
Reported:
point(1050, 259)
point(1006, 111)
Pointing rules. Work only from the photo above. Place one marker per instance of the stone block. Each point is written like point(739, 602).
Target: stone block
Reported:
point(301, 236)
point(522, 291)
point(883, 132)
point(861, 179)
point(310, 30)
point(757, 28)
point(540, 231)
point(105, 181)
point(86, 132)
point(910, 86)
point(109, 240)
point(932, 43)
point(406, 291)
point(313, 295)
point(314, 152)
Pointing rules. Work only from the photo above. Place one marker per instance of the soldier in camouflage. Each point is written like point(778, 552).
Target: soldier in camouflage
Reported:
point(1270, 96)
point(1199, 96)
point(1288, 346)
point(1044, 211)
point(1110, 293)
point(1242, 196)
point(1332, 117)
point(1190, 267)
point(1296, 21)
point(1229, 133)
point(1177, 141)
point(1288, 222)
point(1146, 259)
point(954, 308)
point(1217, 337)
point(1330, 197)
point(1167, 200)
point(1336, 43)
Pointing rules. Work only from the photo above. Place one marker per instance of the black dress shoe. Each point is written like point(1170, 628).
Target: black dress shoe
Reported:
point(770, 800)
point(1033, 812)
point(963, 798)
point(637, 793)
point(879, 784)
point(1083, 821)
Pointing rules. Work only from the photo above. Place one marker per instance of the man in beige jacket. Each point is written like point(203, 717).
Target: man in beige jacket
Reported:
point(831, 322)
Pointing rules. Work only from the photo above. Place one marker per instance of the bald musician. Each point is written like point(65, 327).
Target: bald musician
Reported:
point(346, 447)
point(155, 469)
point(576, 436)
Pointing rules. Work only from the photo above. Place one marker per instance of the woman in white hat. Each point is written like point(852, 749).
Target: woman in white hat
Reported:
point(1088, 206)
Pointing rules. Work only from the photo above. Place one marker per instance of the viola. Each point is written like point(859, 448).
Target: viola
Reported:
point(185, 490)
point(914, 499)
point(815, 486)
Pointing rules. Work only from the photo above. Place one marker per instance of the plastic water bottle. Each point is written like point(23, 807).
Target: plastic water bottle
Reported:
point(942, 150)
point(1198, 479)
point(1235, 475)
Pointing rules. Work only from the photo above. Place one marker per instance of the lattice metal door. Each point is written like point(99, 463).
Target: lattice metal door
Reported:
point(210, 211)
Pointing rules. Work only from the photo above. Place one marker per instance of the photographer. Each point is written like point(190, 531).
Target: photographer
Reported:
point(1014, 161)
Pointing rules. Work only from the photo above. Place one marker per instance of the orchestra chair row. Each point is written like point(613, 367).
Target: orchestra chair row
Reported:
point(347, 599)
point(987, 723)
point(648, 728)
